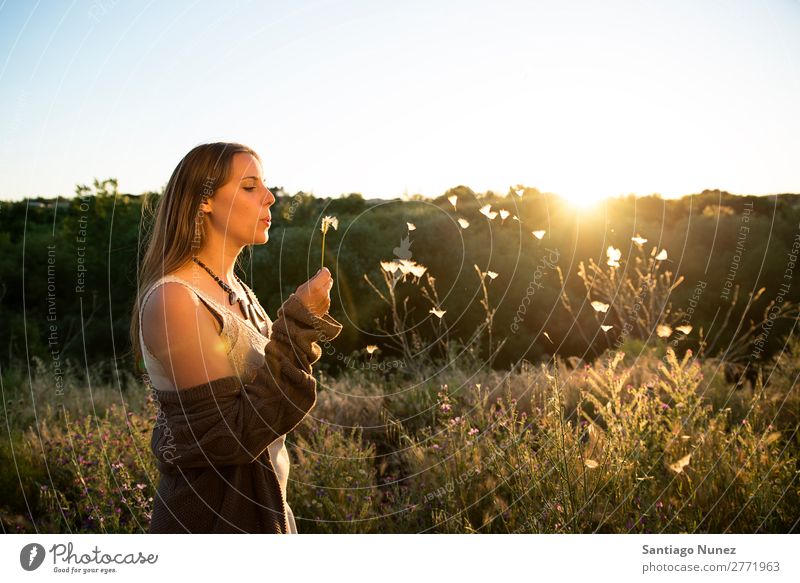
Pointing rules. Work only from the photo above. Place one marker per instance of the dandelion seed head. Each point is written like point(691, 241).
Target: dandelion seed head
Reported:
point(329, 221)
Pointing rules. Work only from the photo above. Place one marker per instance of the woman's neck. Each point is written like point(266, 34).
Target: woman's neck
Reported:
point(220, 260)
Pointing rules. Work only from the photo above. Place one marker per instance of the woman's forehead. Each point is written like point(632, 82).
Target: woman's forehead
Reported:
point(245, 164)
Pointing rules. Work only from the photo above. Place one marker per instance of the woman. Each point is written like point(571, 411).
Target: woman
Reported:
point(227, 381)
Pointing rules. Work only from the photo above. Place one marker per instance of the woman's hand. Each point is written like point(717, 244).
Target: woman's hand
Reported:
point(316, 292)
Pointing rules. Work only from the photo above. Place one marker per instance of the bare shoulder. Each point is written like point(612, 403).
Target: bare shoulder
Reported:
point(181, 333)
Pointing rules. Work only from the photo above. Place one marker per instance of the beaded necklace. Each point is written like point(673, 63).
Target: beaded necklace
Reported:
point(249, 309)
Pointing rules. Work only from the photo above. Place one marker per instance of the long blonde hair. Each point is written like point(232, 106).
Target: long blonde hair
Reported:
point(177, 232)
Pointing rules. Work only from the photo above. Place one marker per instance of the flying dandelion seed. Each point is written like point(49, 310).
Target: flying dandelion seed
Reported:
point(538, 234)
point(678, 466)
point(606, 327)
point(516, 218)
point(464, 223)
point(546, 335)
point(590, 464)
point(662, 255)
point(614, 255)
point(663, 331)
point(437, 313)
point(453, 200)
point(504, 214)
point(327, 221)
point(639, 240)
point(600, 306)
point(519, 191)
point(371, 348)
point(685, 329)
point(492, 274)
point(488, 212)
point(411, 226)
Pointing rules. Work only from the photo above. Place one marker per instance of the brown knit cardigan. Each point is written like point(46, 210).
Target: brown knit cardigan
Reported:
point(210, 440)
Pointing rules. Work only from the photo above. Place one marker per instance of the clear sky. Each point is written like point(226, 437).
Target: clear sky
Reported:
point(584, 99)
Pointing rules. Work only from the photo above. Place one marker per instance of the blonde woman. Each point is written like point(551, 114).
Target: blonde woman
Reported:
point(227, 381)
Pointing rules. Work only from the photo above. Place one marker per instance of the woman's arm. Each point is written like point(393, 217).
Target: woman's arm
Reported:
point(227, 422)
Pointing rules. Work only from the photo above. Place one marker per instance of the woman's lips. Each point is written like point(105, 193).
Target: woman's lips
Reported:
point(266, 221)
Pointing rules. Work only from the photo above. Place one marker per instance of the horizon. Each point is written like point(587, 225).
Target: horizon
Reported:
point(409, 197)
point(586, 101)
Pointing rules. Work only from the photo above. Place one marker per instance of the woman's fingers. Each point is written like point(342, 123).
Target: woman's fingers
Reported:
point(315, 293)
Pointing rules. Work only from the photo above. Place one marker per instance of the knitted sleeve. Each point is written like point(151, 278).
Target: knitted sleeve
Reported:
point(228, 422)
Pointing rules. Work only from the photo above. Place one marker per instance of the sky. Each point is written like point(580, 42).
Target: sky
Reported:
point(583, 99)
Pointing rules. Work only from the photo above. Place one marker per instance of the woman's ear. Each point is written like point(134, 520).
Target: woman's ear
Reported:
point(205, 206)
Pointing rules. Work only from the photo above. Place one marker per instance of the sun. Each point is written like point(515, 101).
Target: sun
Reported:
point(583, 200)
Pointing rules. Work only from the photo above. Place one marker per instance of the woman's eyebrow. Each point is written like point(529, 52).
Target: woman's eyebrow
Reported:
point(246, 177)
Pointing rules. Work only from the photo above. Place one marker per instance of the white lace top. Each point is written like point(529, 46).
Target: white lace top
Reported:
point(245, 347)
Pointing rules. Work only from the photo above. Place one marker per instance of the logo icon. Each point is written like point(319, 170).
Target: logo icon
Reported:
point(31, 556)
point(404, 250)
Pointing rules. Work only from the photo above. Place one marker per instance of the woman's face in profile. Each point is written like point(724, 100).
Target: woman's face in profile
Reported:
point(239, 207)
